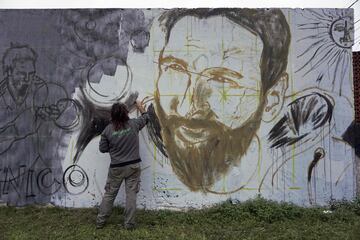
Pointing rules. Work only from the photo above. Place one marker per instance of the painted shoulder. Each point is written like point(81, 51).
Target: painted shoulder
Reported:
point(39, 82)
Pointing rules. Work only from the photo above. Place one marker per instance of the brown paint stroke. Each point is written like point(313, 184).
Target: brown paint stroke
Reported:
point(202, 149)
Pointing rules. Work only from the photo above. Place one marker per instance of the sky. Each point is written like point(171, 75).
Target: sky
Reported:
point(190, 4)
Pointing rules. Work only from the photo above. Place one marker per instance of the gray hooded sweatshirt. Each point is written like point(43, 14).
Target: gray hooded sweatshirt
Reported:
point(123, 145)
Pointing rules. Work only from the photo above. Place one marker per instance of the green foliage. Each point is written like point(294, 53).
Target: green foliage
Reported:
point(254, 219)
point(259, 209)
point(353, 206)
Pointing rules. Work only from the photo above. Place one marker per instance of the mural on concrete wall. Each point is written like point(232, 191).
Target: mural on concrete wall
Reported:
point(242, 102)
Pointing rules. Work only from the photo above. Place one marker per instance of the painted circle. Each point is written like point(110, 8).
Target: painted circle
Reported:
point(90, 25)
point(342, 33)
point(68, 105)
point(84, 29)
point(75, 180)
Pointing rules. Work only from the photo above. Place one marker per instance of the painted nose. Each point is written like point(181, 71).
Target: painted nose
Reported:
point(27, 77)
point(200, 107)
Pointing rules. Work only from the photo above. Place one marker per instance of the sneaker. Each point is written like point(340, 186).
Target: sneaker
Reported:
point(129, 226)
point(100, 226)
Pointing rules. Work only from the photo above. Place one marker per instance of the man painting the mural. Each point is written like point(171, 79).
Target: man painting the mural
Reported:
point(120, 138)
point(204, 138)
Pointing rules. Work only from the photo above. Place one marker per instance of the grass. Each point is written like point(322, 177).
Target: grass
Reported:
point(255, 219)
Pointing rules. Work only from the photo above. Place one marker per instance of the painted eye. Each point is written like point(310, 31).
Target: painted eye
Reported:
point(220, 79)
point(176, 67)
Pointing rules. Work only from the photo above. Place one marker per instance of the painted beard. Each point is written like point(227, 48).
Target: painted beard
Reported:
point(201, 151)
point(22, 89)
point(19, 89)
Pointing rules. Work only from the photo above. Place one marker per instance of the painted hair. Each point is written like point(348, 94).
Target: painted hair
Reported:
point(14, 53)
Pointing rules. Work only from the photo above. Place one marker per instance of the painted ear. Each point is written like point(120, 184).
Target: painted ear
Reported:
point(275, 98)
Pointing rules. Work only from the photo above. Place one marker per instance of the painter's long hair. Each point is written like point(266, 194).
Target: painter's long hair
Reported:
point(119, 115)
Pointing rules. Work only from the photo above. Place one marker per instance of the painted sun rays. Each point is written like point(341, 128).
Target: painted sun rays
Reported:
point(327, 37)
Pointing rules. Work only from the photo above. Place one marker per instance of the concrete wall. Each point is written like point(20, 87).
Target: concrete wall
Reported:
point(242, 102)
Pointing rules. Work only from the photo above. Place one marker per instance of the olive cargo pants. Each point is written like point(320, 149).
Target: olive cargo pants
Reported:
point(131, 175)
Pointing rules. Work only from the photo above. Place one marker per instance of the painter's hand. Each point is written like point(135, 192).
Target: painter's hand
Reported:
point(140, 106)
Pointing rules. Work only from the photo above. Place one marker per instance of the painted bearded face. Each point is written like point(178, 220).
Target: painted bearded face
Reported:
point(21, 78)
point(208, 97)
